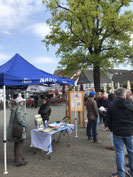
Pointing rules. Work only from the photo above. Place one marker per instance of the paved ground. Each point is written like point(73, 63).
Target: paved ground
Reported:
point(81, 159)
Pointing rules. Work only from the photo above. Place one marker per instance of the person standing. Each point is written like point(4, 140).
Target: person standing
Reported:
point(99, 100)
point(110, 99)
point(20, 119)
point(36, 101)
point(45, 110)
point(128, 95)
point(120, 122)
point(92, 114)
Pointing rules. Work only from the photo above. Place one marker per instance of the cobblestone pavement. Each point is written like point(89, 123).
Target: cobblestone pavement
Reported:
point(82, 159)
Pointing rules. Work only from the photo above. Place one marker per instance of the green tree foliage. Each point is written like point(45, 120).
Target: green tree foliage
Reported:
point(91, 33)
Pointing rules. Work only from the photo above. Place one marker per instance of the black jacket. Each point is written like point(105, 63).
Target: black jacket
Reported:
point(120, 117)
point(45, 111)
point(99, 102)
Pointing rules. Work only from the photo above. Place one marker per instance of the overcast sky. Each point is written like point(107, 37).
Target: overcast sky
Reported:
point(22, 27)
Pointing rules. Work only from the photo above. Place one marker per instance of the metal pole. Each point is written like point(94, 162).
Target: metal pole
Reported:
point(25, 102)
point(75, 113)
point(4, 138)
point(25, 118)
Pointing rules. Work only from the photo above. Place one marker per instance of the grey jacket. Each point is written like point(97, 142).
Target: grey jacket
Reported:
point(18, 114)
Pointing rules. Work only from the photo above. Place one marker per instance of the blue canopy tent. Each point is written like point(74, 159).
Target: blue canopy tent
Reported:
point(18, 72)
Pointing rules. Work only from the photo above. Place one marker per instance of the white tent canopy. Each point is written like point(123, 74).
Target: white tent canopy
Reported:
point(128, 85)
point(118, 85)
point(41, 88)
point(112, 87)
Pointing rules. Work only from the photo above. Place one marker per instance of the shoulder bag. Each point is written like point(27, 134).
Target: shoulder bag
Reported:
point(17, 129)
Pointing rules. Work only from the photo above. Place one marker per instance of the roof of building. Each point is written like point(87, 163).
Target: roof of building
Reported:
point(73, 75)
point(60, 73)
point(87, 77)
point(123, 77)
point(118, 71)
point(117, 75)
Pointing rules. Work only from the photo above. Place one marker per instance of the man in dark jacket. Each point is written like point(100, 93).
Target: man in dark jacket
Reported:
point(120, 122)
point(45, 110)
point(92, 114)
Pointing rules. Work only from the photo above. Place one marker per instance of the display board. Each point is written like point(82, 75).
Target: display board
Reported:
point(76, 99)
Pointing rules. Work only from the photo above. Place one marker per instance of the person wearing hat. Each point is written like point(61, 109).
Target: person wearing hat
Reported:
point(19, 143)
point(92, 115)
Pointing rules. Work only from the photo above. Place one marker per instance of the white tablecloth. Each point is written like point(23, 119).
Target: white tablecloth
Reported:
point(43, 140)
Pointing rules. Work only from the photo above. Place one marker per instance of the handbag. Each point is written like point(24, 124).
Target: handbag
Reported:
point(17, 129)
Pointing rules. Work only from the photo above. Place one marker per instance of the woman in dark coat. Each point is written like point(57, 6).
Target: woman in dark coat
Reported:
point(17, 115)
point(45, 110)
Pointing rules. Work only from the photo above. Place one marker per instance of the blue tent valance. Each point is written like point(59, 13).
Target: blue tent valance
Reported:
point(18, 71)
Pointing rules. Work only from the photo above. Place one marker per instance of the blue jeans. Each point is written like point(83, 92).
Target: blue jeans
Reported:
point(119, 142)
point(96, 127)
point(92, 127)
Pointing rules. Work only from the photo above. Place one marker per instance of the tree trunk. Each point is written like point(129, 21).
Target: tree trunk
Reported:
point(96, 76)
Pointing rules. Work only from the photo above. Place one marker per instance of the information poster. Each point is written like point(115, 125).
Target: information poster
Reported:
point(76, 100)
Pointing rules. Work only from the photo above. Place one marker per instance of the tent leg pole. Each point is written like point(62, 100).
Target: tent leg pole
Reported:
point(4, 139)
point(25, 108)
point(25, 102)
